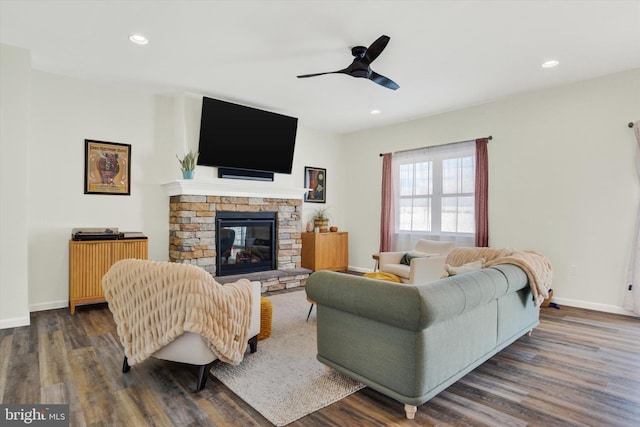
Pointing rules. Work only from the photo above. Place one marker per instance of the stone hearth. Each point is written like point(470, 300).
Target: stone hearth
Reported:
point(273, 280)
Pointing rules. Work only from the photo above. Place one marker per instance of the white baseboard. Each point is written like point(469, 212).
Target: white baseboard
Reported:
point(360, 269)
point(607, 308)
point(49, 305)
point(15, 322)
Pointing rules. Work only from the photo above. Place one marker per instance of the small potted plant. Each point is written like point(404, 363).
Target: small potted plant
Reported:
point(188, 164)
point(321, 219)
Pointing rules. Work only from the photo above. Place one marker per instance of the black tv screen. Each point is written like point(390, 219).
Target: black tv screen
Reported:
point(240, 137)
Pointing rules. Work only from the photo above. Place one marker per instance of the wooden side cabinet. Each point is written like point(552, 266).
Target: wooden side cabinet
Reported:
point(325, 251)
point(89, 260)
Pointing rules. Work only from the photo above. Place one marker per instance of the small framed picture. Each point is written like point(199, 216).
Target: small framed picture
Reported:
point(315, 182)
point(107, 168)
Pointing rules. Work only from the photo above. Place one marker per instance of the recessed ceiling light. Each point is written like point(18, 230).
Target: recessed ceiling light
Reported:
point(374, 112)
point(138, 39)
point(550, 63)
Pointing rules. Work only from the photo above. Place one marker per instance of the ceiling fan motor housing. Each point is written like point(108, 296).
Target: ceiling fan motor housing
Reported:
point(358, 51)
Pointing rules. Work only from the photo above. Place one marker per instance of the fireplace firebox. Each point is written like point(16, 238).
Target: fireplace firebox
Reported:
point(245, 242)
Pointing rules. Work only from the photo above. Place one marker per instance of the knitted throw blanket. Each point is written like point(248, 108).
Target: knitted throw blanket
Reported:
point(155, 302)
point(535, 265)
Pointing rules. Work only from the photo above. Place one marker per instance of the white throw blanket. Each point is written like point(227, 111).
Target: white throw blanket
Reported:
point(153, 303)
point(535, 265)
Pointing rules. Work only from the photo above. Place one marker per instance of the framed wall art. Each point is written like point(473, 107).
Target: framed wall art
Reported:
point(107, 168)
point(315, 181)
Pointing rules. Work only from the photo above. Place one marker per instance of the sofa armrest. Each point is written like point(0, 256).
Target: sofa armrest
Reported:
point(425, 270)
point(389, 258)
point(383, 301)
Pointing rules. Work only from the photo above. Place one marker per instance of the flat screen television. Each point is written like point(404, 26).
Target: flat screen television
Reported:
point(246, 138)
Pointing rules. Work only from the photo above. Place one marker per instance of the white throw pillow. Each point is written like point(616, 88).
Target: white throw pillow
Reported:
point(465, 268)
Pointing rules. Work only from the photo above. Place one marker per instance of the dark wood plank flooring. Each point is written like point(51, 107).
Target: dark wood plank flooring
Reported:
point(579, 368)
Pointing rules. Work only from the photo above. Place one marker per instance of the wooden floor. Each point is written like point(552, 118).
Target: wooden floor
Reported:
point(579, 368)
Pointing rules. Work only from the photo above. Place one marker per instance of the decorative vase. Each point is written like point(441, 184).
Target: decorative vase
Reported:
point(323, 224)
point(187, 174)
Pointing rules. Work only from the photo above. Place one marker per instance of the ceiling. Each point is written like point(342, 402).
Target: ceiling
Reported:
point(445, 55)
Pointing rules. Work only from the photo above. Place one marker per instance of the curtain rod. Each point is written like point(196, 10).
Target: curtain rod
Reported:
point(448, 143)
point(630, 124)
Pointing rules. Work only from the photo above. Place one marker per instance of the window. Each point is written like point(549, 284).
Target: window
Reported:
point(435, 192)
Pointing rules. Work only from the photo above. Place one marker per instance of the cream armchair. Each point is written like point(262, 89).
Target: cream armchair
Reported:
point(178, 312)
point(421, 269)
point(191, 348)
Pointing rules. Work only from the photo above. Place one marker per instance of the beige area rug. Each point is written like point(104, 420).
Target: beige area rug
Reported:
point(283, 380)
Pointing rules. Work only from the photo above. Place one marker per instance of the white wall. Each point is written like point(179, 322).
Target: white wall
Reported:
point(562, 180)
point(15, 65)
point(562, 177)
point(322, 150)
point(65, 112)
point(43, 133)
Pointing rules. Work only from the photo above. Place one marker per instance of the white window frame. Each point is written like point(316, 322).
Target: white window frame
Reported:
point(405, 238)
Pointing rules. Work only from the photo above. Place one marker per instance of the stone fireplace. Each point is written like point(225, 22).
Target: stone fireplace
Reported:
point(193, 212)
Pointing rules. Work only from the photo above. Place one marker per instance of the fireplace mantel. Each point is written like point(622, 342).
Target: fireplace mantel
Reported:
point(241, 188)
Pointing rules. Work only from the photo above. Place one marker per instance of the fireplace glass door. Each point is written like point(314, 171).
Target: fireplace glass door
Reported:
point(244, 245)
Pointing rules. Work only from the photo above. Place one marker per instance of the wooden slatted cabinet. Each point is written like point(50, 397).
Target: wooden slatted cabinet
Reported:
point(89, 260)
point(325, 251)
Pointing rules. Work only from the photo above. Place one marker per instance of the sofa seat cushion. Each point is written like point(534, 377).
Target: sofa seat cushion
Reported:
point(400, 270)
point(187, 348)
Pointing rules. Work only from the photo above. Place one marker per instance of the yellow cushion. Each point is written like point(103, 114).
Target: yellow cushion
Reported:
point(380, 275)
point(266, 313)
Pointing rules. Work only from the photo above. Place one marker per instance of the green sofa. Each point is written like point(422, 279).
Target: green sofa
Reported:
point(410, 342)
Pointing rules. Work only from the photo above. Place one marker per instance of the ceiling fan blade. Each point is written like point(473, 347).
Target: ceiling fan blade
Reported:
point(345, 71)
point(376, 48)
point(383, 81)
point(315, 74)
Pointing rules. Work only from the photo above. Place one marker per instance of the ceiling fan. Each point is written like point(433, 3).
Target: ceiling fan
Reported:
point(361, 65)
